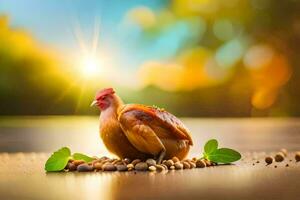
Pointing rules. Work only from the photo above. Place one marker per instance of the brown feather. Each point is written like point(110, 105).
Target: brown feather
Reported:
point(159, 119)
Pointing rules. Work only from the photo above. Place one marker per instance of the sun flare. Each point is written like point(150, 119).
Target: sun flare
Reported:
point(90, 66)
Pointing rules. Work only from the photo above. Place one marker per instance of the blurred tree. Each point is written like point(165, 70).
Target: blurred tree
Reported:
point(215, 58)
point(29, 79)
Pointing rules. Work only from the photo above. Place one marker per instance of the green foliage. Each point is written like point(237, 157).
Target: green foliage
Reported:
point(58, 160)
point(222, 155)
point(80, 156)
point(211, 146)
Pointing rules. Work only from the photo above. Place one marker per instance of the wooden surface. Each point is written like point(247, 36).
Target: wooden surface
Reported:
point(23, 142)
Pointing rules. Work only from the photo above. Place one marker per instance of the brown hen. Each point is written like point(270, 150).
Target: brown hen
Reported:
point(138, 131)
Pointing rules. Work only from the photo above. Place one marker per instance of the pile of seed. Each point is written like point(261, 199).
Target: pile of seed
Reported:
point(280, 156)
point(107, 164)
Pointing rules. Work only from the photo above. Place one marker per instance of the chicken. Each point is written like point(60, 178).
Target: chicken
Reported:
point(138, 131)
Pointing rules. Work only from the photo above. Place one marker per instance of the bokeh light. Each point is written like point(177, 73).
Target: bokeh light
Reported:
point(227, 57)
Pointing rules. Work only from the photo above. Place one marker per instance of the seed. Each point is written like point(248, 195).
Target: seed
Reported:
point(200, 164)
point(121, 168)
point(192, 165)
point(141, 166)
point(175, 159)
point(136, 161)
point(194, 159)
point(186, 165)
point(287, 165)
point(169, 163)
point(257, 161)
point(78, 162)
point(208, 163)
point(269, 160)
point(279, 157)
point(151, 162)
point(164, 162)
point(126, 160)
point(178, 165)
point(130, 166)
point(152, 168)
point(297, 156)
point(159, 168)
point(71, 166)
point(98, 165)
point(275, 166)
point(284, 152)
point(105, 161)
point(84, 168)
point(172, 167)
point(130, 169)
point(109, 167)
point(164, 166)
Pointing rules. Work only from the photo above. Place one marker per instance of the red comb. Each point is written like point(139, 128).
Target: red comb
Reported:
point(103, 92)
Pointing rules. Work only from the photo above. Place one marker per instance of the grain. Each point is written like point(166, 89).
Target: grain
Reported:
point(151, 162)
point(208, 163)
point(169, 163)
point(175, 159)
point(84, 168)
point(126, 160)
point(192, 164)
point(178, 165)
point(200, 163)
point(136, 161)
point(152, 168)
point(186, 165)
point(141, 166)
point(164, 166)
point(297, 156)
point(121, 168)
point(279, 157)
point(159, 168)
point(109, 167)
point(284, 152)
point(71, 167)
point(98, 165)
point(78, 162)
point(269, 160)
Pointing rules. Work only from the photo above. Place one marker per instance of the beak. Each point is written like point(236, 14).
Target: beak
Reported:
point(93, 103)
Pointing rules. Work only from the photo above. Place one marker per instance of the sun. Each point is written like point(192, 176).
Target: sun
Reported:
point(90, 66)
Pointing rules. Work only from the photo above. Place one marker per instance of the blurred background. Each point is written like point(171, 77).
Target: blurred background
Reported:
point(195, 58)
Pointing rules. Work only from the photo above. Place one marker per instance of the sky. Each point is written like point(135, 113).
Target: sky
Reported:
point(54, 23)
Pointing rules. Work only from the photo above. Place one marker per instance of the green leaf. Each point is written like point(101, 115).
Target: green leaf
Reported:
point(80, 156)
point(58, 160)
point(210, 146)
point(224, 155)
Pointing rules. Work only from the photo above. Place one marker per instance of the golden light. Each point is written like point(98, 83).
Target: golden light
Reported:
point(90, 66)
